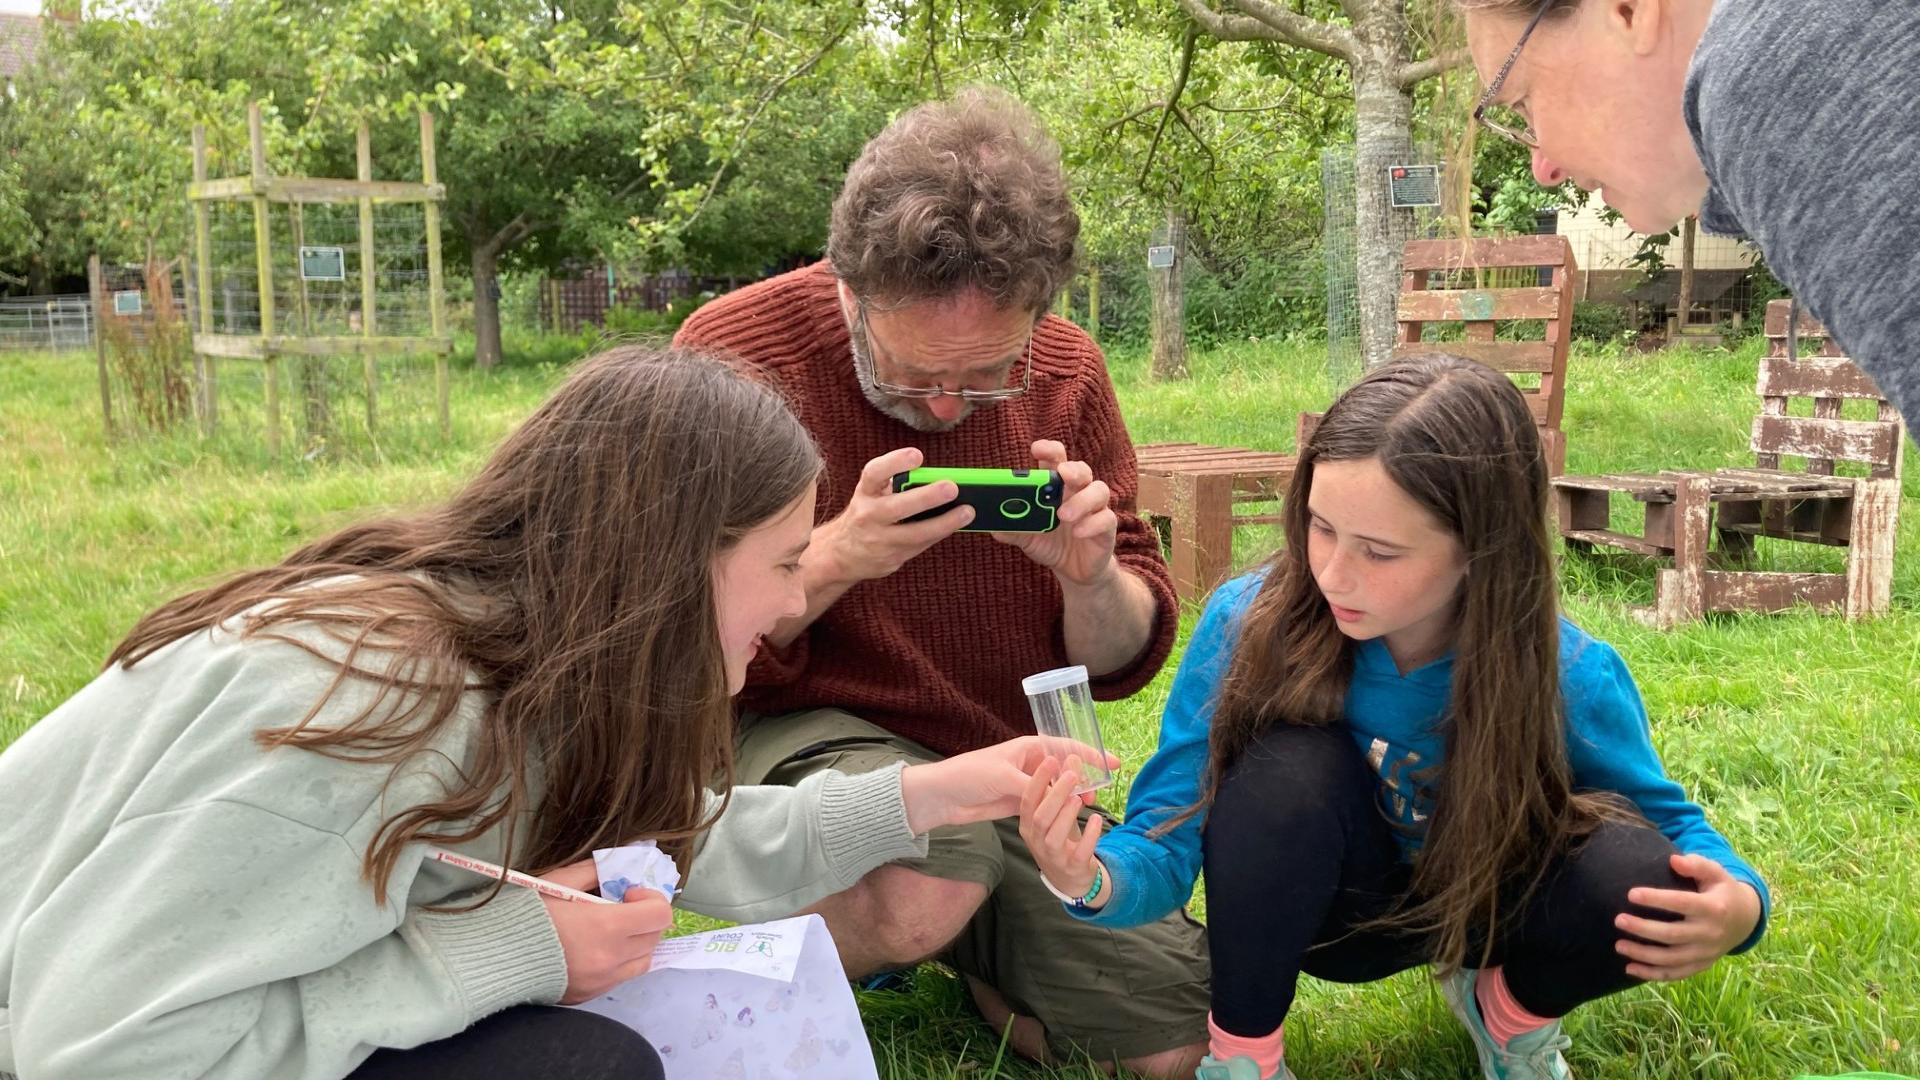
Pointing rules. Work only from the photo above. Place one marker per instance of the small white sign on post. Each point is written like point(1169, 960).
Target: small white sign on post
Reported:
point(1160, 257)
point(125, 302)
point(323, 264)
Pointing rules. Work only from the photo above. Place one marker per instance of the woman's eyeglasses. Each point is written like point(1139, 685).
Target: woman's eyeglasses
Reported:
point(1506, 122)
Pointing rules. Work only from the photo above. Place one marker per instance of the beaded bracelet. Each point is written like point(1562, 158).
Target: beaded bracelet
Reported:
point(1078, 903)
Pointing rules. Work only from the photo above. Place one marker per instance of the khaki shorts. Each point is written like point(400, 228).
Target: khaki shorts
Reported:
point(1107, 994)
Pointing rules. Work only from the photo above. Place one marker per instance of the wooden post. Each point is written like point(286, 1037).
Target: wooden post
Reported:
point(436, 299)
point(1202, 520)
point(203, 291)
point(1685, 300)
point(1169, 326)
point(368, 267)
point(1681, 595)
point(299, 219)
point(1093, 304)
point(263, 260)
point(1876, 502)
point(97, 292)
point(313, 369)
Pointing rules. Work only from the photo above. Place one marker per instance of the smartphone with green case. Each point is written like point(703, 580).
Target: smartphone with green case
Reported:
point(1003, 500)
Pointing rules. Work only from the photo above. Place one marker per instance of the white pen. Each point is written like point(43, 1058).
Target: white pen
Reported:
point(514, 877)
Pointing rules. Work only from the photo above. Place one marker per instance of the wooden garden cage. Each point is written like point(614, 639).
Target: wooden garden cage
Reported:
point(268, 302)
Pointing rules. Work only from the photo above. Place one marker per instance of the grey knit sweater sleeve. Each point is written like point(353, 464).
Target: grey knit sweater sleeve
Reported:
point(1806, 114)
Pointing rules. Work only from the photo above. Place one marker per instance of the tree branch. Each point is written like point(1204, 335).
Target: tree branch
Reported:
point(1268, 21)
point(1132, 116)
point(766, 99)
point(515, 231)
point(1173, 100)
point(1421, 70)
point(1281, 104)
point(1213, 160)
point(932, 59)
point(1228, 27)
point(666, 31)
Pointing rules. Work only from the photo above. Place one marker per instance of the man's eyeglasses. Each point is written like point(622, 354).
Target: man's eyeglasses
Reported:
point(863, 356)
point(1506, 122)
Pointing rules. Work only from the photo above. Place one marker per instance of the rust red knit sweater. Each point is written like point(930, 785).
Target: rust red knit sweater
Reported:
point(935, 652)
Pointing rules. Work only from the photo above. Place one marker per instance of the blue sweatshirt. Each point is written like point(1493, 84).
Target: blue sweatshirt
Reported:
point(1394, 720)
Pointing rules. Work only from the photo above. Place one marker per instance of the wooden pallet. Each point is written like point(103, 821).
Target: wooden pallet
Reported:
point(1682, 512)
point(1197, 488)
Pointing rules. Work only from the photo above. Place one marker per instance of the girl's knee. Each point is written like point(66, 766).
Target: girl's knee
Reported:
point(1291, 769)
point(1620, 857)
point(611, 1049)
point(1590, 891)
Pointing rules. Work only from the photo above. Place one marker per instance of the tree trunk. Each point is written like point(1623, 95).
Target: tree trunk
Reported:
point(1093, 304)
point(486, 306)
point(1383, 128)
point(1684, 303)
point(1169, 317)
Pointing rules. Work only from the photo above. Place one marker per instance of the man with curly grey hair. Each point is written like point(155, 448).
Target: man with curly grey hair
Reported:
point(924, 338)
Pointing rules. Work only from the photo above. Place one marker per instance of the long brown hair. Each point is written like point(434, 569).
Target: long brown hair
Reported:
point(572, 582)
point(1459, 439)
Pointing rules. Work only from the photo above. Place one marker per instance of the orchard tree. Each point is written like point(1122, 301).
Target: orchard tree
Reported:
point(1379, 42)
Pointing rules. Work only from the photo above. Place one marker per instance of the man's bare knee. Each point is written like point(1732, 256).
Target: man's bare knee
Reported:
point(1176, 1064)
point(912, 916)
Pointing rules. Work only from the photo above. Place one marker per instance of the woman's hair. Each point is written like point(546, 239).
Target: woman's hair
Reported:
point(572, 582)
point(957, 195)
point(1459, 439)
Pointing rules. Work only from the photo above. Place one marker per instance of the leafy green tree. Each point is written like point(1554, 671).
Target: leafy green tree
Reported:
point(1387, 47)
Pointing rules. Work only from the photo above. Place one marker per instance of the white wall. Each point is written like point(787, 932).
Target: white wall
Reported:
point(1600, 246)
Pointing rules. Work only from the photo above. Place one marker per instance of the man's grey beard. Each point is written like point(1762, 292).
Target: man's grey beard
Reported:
point(902, 410)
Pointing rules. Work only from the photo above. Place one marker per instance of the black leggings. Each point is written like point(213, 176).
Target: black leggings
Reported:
point(531, 1042)
point(1298, 853)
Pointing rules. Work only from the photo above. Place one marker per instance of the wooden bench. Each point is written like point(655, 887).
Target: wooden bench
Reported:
point(1683, 512)
point(1423, 302)
point(1439, 285)
point(1197, 489)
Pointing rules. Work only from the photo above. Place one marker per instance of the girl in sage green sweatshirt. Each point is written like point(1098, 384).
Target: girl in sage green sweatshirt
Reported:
point(213, 851)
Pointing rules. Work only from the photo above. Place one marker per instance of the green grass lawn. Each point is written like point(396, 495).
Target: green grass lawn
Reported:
point(1797, 732)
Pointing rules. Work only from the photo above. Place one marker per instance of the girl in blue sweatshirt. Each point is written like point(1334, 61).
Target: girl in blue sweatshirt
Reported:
point(1388, 749)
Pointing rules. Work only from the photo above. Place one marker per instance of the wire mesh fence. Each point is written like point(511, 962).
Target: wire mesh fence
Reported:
point(334, 407)
point(316, 267)
point(51, 323)
point(1339, 246)
point(317, 394)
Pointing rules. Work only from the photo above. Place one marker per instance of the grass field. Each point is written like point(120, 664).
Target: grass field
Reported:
point(1798, 733)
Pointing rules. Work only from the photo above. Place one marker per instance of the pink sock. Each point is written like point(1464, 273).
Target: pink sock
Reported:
point(1265, 1050)
point(1500, 1011)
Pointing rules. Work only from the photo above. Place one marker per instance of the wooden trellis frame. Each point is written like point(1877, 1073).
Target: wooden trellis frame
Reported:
point(262, 189)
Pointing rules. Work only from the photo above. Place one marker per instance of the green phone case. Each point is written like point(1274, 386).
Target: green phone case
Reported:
point(1003, 500)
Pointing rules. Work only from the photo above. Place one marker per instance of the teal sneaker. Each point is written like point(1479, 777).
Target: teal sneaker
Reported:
point(894, 981)
point(1239, 1067)
point(1533, 1056)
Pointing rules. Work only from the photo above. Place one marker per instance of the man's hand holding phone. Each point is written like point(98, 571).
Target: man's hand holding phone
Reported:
point(872, 537)
point(1080, 551)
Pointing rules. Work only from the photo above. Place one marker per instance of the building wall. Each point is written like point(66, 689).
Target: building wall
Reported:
point(1599, 246)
